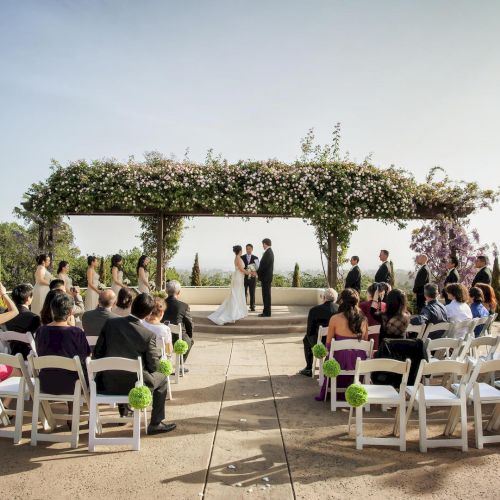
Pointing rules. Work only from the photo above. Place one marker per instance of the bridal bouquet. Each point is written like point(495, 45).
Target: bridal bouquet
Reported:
point(101, 286)
point(252, 268)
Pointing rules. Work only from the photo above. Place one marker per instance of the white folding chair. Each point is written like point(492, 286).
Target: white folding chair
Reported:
point(438, 327)
point(490, 345)
point(92, 340)
point(373, 334)
point(80, 394)
point(95, 366)
point(428, 396)
point(415, 331)
point(383, 395)
point(487, 326)
point(25, 338)
point(179, 358)
point(318, 363)
point(18, 388)
point(343, 345)
point(462, 328)
point(484, 321)
point(449, 348)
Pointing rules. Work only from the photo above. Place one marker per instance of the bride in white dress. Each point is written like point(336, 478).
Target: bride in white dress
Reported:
point(235, 306)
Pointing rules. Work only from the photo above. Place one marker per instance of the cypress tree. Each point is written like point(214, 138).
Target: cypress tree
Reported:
point(296, 282)
point(195, 273)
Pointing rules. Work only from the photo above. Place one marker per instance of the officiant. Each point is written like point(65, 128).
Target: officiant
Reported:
point(250, 281)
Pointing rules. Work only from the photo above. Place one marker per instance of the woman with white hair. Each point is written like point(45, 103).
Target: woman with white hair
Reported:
point(318, 316)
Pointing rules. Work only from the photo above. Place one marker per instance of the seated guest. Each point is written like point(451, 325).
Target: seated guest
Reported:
point(94, 320)
point(79, 308)
point(395, 319)
point(366, 305)
point(348, 323)
point(433, 312)
point(124, 301)
point(477, 307)
point(178, 313)
point(318, 316)
point(154, 324)
point(129, 338)
point(484, 274)
point(46, 312)
point(490, 300)
point(458, 309)
point(12, 310)
point(59, 339)
point(353, 279)
point(25, 321)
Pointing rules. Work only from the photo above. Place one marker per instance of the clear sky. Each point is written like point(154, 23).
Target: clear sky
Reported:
point(416, 83)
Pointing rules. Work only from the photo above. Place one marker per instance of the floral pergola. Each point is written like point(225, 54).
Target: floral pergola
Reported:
point(331, 196)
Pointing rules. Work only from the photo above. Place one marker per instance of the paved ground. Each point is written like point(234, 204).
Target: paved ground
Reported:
point(248, 427)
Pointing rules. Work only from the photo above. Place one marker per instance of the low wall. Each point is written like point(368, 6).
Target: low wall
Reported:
point(281, 296)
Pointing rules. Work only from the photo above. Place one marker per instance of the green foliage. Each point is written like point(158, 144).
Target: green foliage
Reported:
point(331, 368)
point(319, 351)
point(281, 281)
point(166, 367)
point(356, 395)
point(181, 347)
point(296, 281)
point(313, 280)
point(216, 279)
point(172, 274)
point(195, 272)
point(140, 398)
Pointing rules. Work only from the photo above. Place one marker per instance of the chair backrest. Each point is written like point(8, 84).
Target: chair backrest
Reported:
point(351, 344)
point(485, 341)
point(25, 338)
point(382, 365)
point(491, 318)
point(17, 361)
point(175, 329)
point(92, 340)
point(116, 364)
point(462, 328)
point(437, 327)
point(374, 329)
point(418, 330)
point(482, 367)
point(444, 366)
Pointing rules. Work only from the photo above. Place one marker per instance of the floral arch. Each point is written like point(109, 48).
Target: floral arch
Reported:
point(332, 196)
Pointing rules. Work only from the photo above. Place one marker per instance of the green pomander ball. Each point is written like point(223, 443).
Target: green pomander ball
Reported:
point(356, 395)
point(181, 347)
point(140, 398)
point(319, 351)
point(166, 367)
point(331, 368)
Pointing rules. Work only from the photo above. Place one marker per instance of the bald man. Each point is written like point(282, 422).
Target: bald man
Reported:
point(93, 321)
point(421, 279)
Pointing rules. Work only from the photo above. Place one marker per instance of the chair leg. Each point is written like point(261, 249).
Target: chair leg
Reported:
point(136, 432)
point(402, 425)
point(359, 428)
point(333, 394)
point(18, 429)
point(75, 419)
point(349, 421)
point(478, 420)
point(169, 388)
point(463, 424)
point(422, 420)
point(92, 424)
point(34, 419)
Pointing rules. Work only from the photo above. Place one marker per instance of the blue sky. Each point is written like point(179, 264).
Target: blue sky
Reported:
point(416, 83)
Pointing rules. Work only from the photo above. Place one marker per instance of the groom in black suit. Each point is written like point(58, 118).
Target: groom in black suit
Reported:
point(250, 281)
point(265, 274)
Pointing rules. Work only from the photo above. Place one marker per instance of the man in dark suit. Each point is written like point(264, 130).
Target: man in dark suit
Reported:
point(421, 279)
point(318, 316)
point(484, 274)
point(433, 312)
point(353, 279)
point(128, 338)
point(383, 274)
point(25, 321)
point(178, 313)
point(93, 321)
point(250, 281)
point(265, 274)
point(451, 277)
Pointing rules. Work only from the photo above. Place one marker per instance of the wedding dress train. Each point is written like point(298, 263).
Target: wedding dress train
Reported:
point(235, 306)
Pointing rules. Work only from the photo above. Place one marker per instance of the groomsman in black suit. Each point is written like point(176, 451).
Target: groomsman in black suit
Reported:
point(384, 271)
point(265, 274)
point(451, 277)
point(484, 274)
point(353, 279)
point(421, 279)
point(250, 281)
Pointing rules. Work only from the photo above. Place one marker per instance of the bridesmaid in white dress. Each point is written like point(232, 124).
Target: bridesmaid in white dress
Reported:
point(42, 282)
point(62, 274)
point(143, 274)
point(92, 294)
point(235, 306)
point(117, 274)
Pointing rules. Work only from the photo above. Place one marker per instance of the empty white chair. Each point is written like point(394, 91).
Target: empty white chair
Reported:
point(383, 395)
point(179, 358)
point(343, 345)
point(18, 388)
point(438, 327)
point(429, 396)
point(318, 363)
point(80, 394)
point(490, 345)
point(120, 364)
point(451, 348)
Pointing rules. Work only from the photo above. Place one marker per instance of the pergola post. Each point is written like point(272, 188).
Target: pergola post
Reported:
point(332, 260)
point(159, 252)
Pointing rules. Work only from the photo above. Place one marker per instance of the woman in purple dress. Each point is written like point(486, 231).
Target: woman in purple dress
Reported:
point(349, 323)
point(59, 339)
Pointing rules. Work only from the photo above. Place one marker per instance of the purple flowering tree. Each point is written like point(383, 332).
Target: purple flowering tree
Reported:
point(439, 239)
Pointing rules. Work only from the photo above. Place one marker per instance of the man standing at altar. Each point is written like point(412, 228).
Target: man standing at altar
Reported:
point(250, 281)
point(353, 279)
